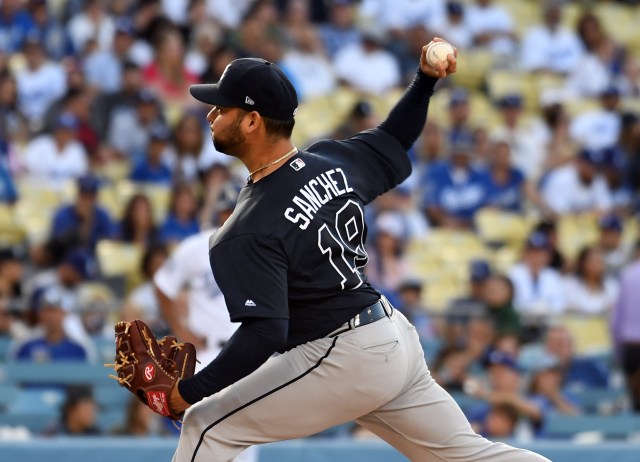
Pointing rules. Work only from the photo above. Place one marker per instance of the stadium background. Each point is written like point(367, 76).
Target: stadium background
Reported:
point(96, 120)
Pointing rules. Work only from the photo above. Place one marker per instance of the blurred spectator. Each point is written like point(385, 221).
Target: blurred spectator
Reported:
point(450, 368)
point(549, 228)
point(615, 251)
point(52, 342)
point(205, 36)
point(560, 147)
point(551, 47)
point(137, 225)
point(154, 168)
point(55, 38)
point(190, 148)
point(614, 168)
point(537, 287)
point(78, 414)
point(395, 16)
point(625, 327)
point(505, 381)
point(599, 128)
point(129, 131)
point(167, 74)
point(308, 66)
point(53, 159)
point(474, 303)
point(500, 422)
point(142, 303)
point(492, 27)
point(217, 61)
point(103, 67)
point(526, 137)
point(366, 66)
point(577, 373)
point(228, 12)
point(359, 119)
point(578, 187)
point(410, 291)
point(340, 30)
point(40, 82)
point(590, 290)
point(505, 183)
point(456, 189)
point(459, 129)
point(387, 256)
point(454, 28)
point(545, 391)
point(13, 123)
point(15, 24)
point(603, 63)
point(140, 420)
point(11, 273)
point(497, 293)
point(181, 221)
point(427, 150)
point(11, 325)
point(93, 23)
point(83, 223)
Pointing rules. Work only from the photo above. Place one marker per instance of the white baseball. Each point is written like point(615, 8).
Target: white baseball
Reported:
point(438, 52)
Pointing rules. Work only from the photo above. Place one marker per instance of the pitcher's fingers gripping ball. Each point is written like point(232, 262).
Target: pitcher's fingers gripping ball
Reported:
point(149, 368)
point(438, 52)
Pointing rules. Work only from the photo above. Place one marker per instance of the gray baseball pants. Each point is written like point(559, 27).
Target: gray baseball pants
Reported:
point(375, 374)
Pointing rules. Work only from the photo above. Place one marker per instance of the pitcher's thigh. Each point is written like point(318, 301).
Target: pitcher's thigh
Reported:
point(425, 424)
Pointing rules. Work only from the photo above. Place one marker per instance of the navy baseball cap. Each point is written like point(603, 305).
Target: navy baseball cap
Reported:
point(88, 184)
point(611, 223)
point(497, 357)
point(590, 156)
point(479, 270)
point(252, 84)
point(538, 240)
point(458, 96)
point(82, 262)
point(67, 121)
point(159, 132)
point(511, 101)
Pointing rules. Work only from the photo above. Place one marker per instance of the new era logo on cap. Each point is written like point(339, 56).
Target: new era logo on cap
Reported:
point(249, 101)
point(249, 303)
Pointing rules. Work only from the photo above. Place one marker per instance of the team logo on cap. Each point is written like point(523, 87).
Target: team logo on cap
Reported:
point(249, 101)
point(297, 164)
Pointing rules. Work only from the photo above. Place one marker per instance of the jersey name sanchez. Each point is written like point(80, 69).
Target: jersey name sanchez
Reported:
point(294, 247)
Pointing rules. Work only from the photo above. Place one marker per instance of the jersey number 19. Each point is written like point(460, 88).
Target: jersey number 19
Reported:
point(344, 243)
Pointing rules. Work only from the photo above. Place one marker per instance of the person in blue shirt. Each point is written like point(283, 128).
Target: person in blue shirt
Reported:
point(455, 189)
point(53, 344)
point(83, 223)
point(181, 221)
point(8, 192)
point(15, 24)
point(505, 183)
point(152, 168)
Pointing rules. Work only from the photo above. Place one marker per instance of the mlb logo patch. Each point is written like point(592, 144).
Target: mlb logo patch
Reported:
point(297, 164)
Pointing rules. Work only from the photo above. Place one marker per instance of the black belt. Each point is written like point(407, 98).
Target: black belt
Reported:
point(380, 309)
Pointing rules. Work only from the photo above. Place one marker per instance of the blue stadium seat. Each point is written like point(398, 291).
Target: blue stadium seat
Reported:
point(109, 420)
point(36, 402)
point(55, 373)
point(111, 395)
point(5, 343)
point(600, 400)
point(35, 423)
point(618, 427)
point(8, 394)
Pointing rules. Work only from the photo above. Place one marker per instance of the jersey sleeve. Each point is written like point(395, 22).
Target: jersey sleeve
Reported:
point(382, 163)
point(251, 271)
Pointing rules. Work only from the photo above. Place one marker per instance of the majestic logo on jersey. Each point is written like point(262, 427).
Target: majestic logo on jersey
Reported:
point(297, 164)
point(249, 101)
point(249, 303)
point(315, 194)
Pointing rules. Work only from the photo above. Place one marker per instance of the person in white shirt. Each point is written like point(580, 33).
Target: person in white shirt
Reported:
point(54, 159)
point(551, 47)
point(491, 26)
point(599, 128)
point(40, 82)
point(395, 16)
point(617, 253)
point(92, 23)
point(538, 288)
point(590, 290)
point(454, 27)
point(366, 66)
point(577, 187)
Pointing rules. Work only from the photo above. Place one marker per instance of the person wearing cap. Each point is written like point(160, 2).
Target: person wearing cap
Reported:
point(360, 118)
point(52, 344)
point(492, 27)
point(292, 275)
point(58, 157)
point(459, 110)
point(84, 222)
point(15, 25)
point(537, 287)
point(340, 30)
point(153, 168)
point(453, 27)
point(455, 189)
point(599, 128)
point(614, 167)
point(506, 184)
point(461, 308)
point(617, 253)
point(578, 187)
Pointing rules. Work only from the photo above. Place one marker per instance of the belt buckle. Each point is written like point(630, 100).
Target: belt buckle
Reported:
point(356, 321)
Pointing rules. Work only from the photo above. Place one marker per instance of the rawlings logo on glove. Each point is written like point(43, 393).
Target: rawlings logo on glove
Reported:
point(149, 368)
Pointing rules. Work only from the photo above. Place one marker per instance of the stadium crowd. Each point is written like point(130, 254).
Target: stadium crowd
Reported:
point(512, 246)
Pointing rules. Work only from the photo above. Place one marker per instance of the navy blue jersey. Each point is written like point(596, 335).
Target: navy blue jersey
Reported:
point(294, 248)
